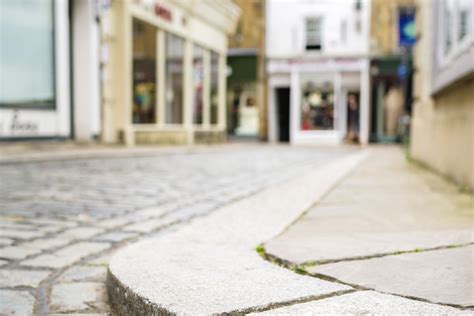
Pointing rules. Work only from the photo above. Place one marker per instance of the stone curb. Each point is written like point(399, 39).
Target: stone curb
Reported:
point(129, 295)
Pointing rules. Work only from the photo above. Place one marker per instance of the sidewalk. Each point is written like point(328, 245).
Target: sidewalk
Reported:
point(389, 226)
point(38, 151)
point(211, 266)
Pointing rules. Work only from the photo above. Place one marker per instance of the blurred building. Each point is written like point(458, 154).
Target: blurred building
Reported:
point(165, 70)
point(318, 70)
point(246, 104)
point(30, 104)
point(138, 71)
point(442, 130)
point(392, 38)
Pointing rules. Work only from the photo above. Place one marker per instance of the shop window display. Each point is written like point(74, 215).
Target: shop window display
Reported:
point(144, 73)
point(317, 106)
point(174, 79)
point(198, 76)
point(214, 87)
point(27, 65)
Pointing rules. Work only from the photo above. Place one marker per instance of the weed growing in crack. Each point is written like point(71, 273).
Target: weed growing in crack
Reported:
point(299, 269)
point(260, 250)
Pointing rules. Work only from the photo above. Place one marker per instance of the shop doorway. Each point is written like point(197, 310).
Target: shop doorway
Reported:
point(283, 114)
point(353, 116)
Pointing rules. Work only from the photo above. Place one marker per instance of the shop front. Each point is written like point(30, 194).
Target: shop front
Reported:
point(34, 71)
point(321, 101)
point(166, 71)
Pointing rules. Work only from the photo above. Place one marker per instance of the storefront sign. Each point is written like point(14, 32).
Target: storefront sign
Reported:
point(17, 126)
point(163, 12)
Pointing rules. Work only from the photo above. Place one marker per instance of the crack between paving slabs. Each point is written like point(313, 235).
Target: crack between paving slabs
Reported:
point(300, 269)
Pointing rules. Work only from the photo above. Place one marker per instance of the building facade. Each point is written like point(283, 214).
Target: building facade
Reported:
point(138, 71)
point(246, 102)
point(164, 71)
point(392, 38)
point(318, 70)
point(442, 129)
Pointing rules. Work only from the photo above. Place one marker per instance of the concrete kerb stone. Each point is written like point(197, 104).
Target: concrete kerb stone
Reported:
point(210, 266)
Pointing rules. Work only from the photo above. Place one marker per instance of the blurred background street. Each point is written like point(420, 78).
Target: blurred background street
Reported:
point(236, 156)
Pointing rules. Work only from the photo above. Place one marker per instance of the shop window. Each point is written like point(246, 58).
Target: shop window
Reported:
point(174, 79)
point(313, 33)
point(317, 105)
point(214, 88)
point(144, 73)
point(198, 81)
point(27, 66)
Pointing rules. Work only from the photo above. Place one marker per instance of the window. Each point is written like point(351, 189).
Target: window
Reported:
point(464, 19)
point(174, 79)
point(144, 73)
point(448, 12)
point(27, 54)
point(313, 34)
point(317, 102)
point(198, 76)
point(214, 88)
point(454, 29)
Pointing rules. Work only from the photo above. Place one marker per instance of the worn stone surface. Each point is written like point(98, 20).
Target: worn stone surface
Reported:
point(16, 302)
point(78, 297)
point(148, 225)
point(5, 241)
point(384, 206)
point(80, 233)
point(115, 237)
point(366, 303)
point(12, 278)
point(210, 266)
point(84, 273)
point(20, 234)
point(47, 243)
point(444, 276)
point(66, 256)
point(17, 252)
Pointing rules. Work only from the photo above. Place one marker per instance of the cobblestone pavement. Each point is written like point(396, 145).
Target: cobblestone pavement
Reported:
point(62, 220)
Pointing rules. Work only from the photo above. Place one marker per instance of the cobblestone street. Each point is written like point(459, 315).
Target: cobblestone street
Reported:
point(61, 220)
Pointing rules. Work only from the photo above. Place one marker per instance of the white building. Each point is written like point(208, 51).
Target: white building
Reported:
point(317, 56)
point(49, 78)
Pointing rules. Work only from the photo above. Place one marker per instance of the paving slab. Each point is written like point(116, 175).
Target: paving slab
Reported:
point(443, 276)
point(385, 205)
point(5, 241)
point(366, 303)
point(17, 252)
point(84, 273)
point(12, 278)
point(115, 236)
point(78, 296)
point(20, 234)
point(16, 302)
point(66, 256)
point(210, 265)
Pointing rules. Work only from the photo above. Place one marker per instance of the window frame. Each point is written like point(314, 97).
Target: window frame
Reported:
point(319, 21)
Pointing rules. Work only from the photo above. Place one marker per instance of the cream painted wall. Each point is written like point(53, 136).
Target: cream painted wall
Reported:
point(443, 133)
point(442, 128)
